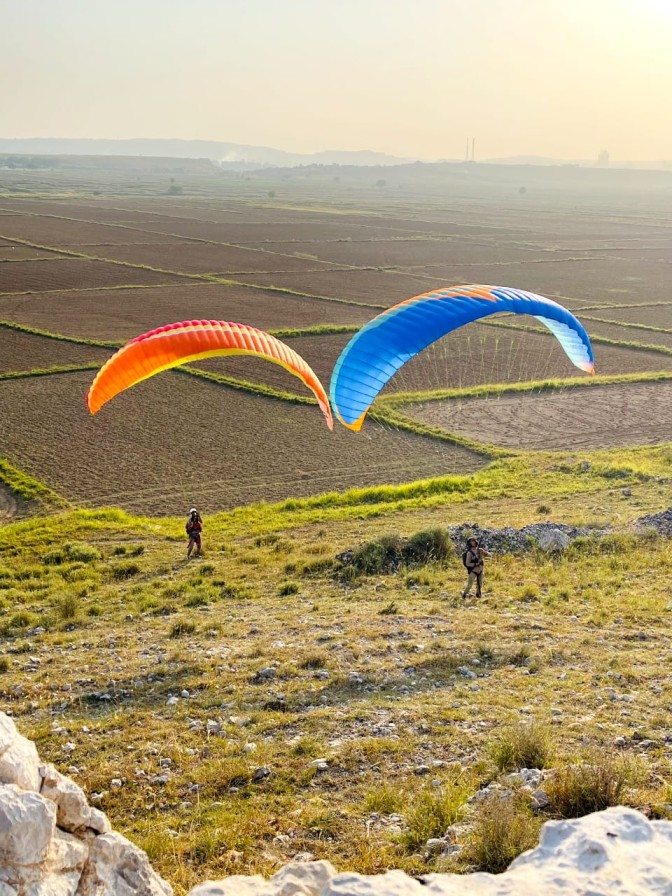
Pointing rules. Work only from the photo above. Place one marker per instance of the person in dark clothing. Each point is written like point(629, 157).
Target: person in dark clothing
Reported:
point(194, 528)
point(473, 561)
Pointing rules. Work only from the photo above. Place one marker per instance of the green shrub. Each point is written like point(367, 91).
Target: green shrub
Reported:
point(591, 785)
point(430, 546)
point(288, 588)
point(526, 745)
point(72, 552)
point(502, 827)
point(381, 556)
point(182, 628)
point(432, 811)
point(124, 571)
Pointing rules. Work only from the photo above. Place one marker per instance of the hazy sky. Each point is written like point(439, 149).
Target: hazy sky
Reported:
point(563, 78)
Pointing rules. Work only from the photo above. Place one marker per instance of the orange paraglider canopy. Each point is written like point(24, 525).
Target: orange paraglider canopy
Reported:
point(192, 340)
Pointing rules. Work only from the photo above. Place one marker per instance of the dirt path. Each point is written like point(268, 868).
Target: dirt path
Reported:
point(8, 504)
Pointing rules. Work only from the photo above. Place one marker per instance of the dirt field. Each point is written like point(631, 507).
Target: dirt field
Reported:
point(204, 258)
point(355, 243)
point(22, 351)
point(382, 288)
point(175, 441)
point(66, 233)
point(125, 313)
point(73, 273)
point(600, 417)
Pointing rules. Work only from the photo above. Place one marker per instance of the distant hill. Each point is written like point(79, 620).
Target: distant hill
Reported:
point(230, 156)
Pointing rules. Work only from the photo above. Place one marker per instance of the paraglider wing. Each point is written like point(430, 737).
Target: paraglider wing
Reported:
point(383, 345)
point(193, 340)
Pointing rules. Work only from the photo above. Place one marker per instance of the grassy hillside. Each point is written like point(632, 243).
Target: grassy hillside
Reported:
point(192, 699)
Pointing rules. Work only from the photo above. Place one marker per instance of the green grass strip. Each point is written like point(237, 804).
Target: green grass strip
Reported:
point(246, 386)
point(27, 488)
point(47, 371)
point(499, 389)
point(59, 337)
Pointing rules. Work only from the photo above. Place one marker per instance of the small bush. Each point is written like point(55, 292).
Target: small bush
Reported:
point(431, 546)
point(390, 609)
point(597, 782)
point(526, 745)
point(432, 811)
point(72, 552)
point(4, 664)
point(314, 661)
point(124, 571)
point(376, 557)
point(182, 628)
point(503, 827)
point(288, 588)
point(385, 799)
point(67, 607)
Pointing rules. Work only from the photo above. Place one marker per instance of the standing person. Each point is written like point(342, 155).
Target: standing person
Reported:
point(473, 560)
point(194, 528)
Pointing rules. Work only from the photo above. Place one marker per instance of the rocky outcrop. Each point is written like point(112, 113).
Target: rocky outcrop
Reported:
point(52, 843)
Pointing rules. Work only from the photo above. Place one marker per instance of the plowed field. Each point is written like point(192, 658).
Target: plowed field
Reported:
point(73, 273)
point(599, 417)
point(23, 351)
point(175, 441)
point(124, 313)
point(374, 251)
point(207, 258)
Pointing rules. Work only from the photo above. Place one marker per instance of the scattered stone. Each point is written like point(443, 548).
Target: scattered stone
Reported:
point(261, 773)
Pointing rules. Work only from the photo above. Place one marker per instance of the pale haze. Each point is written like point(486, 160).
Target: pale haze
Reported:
point(415, 79)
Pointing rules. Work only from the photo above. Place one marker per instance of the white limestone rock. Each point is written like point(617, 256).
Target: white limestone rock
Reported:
point(27, 823)
point(553, 540)
point(116, 867)
point(73, 811)
point(19, 762)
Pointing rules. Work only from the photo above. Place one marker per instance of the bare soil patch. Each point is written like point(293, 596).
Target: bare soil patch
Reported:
point(9, 506)
point(21, 253)
point(23, 351)
point(598, 417)
point(258, 234)
point(125, 313)
point(66, 233)
point(208, 258)
point(377, 287)
point(175, 441)
point(74, 273)
point(629, 334)
point(418, 251)
point(652, 315)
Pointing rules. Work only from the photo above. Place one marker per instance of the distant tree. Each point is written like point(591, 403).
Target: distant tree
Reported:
point(522, 191)
point(271, 194)
point(602, 159)
point(381, 182)
point(175, 190)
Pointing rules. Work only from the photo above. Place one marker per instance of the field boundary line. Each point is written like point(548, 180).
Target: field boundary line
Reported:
point(47, 371)
point(59, 337)
point(499, 389)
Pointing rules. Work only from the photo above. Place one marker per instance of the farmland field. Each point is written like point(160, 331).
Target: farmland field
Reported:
point(87, 255)
point(601, 417)
point(176, 440)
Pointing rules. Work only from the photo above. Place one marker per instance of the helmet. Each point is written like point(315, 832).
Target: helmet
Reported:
point(471, 538)
point(193, 510)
